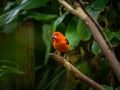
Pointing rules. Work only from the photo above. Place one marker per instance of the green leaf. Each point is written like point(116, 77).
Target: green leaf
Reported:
point(108, 87)
point(95, 48)
point(85, 68)
point(117, 35)
point(52, 84)
point(99, 4)
point(71, 33)
point(25, 4)
point(43, 82)
point(113, 37)
point(8, 69)
point(9, 16)
point(8, 28)
point(31, 4)
point(115, 42)
point(58, 21)
point(118, 88)
point(40, 16)
point(9, 4)
point(109, 34)
point(8, 62)
point(83, 32)
point(46, 39)
point(97, 7)
point(38, 67)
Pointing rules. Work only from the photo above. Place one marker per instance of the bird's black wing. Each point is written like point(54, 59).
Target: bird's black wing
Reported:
point(67, 42)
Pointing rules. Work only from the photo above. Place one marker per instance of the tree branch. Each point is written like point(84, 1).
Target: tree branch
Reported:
point(96, 23)
point(99, 38)
point(74, 70)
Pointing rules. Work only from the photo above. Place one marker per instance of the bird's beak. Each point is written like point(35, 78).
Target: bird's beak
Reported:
point(54, 37)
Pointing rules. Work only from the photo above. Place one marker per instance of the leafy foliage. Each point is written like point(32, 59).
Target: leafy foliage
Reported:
point(83, 32)
point(7, 68)
point(46, 30)
point(71, 33)
point(85, 52)
point(58, 21)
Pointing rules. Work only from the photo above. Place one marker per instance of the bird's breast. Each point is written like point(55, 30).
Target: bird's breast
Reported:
point(61, 46)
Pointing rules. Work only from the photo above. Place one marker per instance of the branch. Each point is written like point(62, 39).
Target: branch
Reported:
point(96, 23)
point(98, 36)
point(74, 70)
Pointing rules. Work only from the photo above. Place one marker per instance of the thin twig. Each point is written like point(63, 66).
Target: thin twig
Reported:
point(74, 70)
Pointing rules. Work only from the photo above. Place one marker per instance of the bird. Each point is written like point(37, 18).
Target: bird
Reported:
point(60, 42)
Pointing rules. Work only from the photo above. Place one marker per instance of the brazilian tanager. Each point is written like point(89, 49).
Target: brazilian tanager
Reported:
point(60, 42)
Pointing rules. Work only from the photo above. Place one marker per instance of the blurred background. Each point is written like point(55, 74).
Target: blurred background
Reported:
point(25, 42)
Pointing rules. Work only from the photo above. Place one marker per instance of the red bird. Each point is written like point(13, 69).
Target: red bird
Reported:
point(60, 42)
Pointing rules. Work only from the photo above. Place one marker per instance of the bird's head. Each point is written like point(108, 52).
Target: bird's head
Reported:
point(56, 36)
